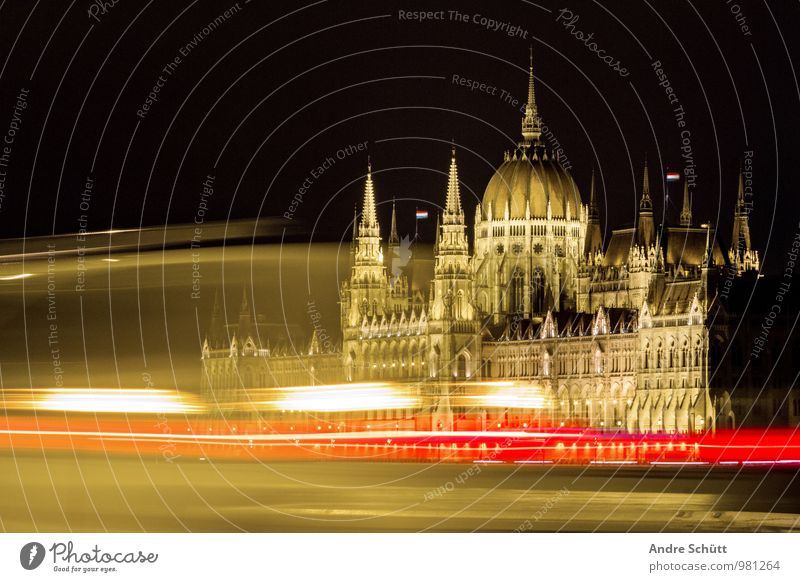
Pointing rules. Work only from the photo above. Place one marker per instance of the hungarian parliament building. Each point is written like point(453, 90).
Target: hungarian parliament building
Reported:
point(626, 336)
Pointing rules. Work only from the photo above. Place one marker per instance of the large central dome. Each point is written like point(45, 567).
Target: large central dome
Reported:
point(530, 177)
point(520, 181)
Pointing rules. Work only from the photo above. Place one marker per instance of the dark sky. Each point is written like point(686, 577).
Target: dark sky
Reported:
point(278, 87)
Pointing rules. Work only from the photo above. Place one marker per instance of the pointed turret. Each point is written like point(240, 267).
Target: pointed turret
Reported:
point(594, 211)
point(686, 211)
point(368, 250)
point(740, 238)
point(245, 316)
point(741, 254)
point(216, 329)
point(646, 203)
point(369, 214)
point(594, 238)
point(645, 232)
point(531, 129)
point(394, 240)
point(453, 212)
point(393, 246)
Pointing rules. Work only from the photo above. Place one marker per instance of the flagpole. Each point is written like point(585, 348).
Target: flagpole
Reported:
point(419, 215)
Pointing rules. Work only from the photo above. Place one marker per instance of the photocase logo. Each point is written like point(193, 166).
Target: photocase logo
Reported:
point(31, 555)
point(402, 255)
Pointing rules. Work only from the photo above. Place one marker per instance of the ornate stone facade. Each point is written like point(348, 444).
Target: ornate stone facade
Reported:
point(615, 336)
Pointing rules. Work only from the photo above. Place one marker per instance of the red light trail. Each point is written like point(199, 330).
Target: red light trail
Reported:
point(211, 439)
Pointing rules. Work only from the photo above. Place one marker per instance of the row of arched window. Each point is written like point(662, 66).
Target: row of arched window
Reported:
point(672, 356)
point(587, 361)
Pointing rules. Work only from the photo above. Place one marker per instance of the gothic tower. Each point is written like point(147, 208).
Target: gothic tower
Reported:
point(453, 323)
point(368, 288)
point(741, 254)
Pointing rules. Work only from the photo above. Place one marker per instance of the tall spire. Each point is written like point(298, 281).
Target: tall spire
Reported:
point(594, 212)
point(245, 316)
point(594, 238)
point(453, 210)
point(531, 130)
point(451, 236)
point(646, 230)
point(394, 240)
point(369, 215)
point(740, 239)
point(216, 328)
point(646, 203)
point(245, 306)
point(740, 204)
point(368, 248)
point(686, 211)
point(436, 240)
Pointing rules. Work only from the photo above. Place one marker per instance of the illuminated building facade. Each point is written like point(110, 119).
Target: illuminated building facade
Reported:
point(620, 336)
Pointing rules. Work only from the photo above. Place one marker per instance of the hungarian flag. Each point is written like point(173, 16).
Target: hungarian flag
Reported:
point(421, 214)
point(673, 177)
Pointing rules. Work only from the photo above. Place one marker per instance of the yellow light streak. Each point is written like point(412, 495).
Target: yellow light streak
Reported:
point(100, 400)
point(342, 397)
point(15, 277)
point(508, 395)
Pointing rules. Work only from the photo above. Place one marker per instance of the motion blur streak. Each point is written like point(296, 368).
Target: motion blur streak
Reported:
point(130, 401)
point(522, 397)
point(344, 397)
point(213, 438)
point(389, 396)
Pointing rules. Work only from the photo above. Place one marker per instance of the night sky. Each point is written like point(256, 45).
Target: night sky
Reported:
point(265, 96)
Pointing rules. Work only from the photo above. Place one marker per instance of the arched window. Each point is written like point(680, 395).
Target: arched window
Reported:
point(394, 361)
point(517, 303)
point(537, 291)
point(458, 312)
point(462, 366)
